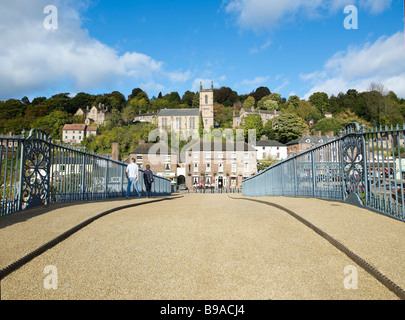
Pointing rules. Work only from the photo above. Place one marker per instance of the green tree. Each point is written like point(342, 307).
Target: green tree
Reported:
point(223, 115)
point(329, 124)
point(61, 102)
point(294, 100)
point(53, 123)
point(307, 111)
point(128, 114)
point(289, 127)
point(225, 96)
point(249, 103)
point(320, 101)
point(188, 98)
point(82, 100)
point(253, 122)
point(134, 93)
point(268, 131)
point(259, 93)
point(269, 102)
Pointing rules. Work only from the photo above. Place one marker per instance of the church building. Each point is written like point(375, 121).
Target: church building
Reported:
point(189, 118)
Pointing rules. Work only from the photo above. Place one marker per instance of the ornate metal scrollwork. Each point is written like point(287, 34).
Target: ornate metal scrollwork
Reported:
point(35, 170)
point(353, 169)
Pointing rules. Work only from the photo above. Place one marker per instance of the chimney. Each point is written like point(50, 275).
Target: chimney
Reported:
point(115, 151)
point(141, 142)
point(329, 134)
point(318, 133)
point(305, 134)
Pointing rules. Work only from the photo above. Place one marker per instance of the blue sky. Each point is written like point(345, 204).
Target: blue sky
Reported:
point(290, 46)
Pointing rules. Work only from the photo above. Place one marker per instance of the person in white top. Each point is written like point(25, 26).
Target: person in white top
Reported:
point(132, 173)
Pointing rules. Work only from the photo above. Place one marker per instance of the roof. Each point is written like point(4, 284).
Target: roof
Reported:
point(144, 148)
point(269, 143)
point(74, 126)
point(92, 128)
point(220, 146)
point(310, 140)
point(258, 111)
point(145, 115)
point(179, 112)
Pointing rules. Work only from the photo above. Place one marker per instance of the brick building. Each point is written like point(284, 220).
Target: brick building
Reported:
point(219, 164)
point(75, 133)
point(159, 156)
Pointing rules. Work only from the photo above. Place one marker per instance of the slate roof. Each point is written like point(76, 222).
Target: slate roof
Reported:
point(220, 146)
point(179, 112)
point(269, 143)
point(310, 140)
point(74, 127)
point(145, 147)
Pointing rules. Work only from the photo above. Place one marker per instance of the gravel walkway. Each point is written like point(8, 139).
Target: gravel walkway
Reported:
point(202, 246)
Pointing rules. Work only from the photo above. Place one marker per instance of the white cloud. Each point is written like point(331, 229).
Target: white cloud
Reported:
point(206, 83)
point(375, 6)
point(264, 46)
point(281, 86)
point(252, 84)
point(265, 14)
point(356, 67)
point(33, 58)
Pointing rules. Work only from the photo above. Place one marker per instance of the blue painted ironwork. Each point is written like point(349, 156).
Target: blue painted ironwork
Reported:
point(34, 171)
point(361, 167)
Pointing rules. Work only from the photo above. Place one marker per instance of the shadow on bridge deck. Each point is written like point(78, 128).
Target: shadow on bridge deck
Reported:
point(202, 246)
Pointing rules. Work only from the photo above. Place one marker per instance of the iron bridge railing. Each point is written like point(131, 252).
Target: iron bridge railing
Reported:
point(361, 167)
point(36, 171)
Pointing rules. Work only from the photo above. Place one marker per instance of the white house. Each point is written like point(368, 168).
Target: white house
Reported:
point(270, 148)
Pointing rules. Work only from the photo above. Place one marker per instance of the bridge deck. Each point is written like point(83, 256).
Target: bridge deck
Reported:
point(202, 246)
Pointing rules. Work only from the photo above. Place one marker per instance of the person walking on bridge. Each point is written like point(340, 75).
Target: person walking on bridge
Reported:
point(132, 173)
point(148, 179)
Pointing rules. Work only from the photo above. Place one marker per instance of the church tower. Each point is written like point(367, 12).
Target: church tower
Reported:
point(207, 106)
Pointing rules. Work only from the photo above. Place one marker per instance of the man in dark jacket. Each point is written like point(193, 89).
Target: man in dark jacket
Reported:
point(148, 179)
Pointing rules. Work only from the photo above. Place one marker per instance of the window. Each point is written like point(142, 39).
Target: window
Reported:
point(195, 167)
point(208, 168)
point(220, 155)
point(233, 167)
point(196, 155)
point(233, 181)
point(167, 166)
point(206, 99)
point(246, 155)
point(220, 167)
point(246, 167)
point(195, 180)
point(208, 155)
point(233, 155)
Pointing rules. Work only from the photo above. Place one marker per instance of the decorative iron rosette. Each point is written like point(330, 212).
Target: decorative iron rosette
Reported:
point(35, 170)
